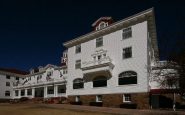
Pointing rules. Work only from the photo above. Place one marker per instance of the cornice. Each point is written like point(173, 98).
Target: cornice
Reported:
point(142, 16)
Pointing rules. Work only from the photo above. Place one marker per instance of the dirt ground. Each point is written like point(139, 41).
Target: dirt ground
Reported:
point(66, 109)
point(18, 109)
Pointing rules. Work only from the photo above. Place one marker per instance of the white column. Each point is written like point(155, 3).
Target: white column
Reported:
point(33, 92)
point(19, 93)
point(45, 91)
point(26, 92)
point(13, 94)
point(56, 90)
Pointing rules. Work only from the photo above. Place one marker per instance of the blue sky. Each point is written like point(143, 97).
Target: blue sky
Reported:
point(32, 31)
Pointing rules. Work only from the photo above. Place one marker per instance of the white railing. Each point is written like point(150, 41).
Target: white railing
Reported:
point(40, 83)
point(97, 62)
point(164, 64)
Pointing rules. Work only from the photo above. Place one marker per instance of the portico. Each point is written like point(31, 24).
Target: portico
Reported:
point(46, 91)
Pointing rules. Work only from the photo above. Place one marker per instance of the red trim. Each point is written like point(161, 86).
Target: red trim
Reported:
point(163, 91)
point(108, 20)
point(14, 71)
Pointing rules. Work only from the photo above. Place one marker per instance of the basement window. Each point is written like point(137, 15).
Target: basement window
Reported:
point(126, 97)
point(99, 98)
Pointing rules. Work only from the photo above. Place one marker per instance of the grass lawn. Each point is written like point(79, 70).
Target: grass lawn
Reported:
point(19, 109)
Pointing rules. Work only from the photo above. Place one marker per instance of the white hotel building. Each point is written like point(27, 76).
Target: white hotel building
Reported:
point(109, 66)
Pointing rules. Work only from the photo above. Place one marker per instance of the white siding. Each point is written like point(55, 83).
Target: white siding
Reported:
point(4, 88)
point(114, 45)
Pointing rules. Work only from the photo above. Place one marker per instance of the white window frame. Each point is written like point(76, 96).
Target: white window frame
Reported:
point(64, 71)
point(16, 93)
point(8, 84)
point(124, 52)
point(77, 99)
point(98, 41)
point(98, 98)
point(8, 93)
point(78, 49)
point(126, 97)
point(8, 77)
point(78, 64)
point(50, 73)
point(126, 32)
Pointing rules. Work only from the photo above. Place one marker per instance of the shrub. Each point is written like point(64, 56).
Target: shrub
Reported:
point(128, 105)
point(62, 100)
point(76, 103)
point(4, 100)
point(22, 99)
point(98, 104)
point(181, 106)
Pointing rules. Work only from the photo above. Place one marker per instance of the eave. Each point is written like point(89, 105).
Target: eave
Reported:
point(111, 28)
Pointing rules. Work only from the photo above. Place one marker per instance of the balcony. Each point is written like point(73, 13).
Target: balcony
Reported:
point(40, 83)
point(102, 66)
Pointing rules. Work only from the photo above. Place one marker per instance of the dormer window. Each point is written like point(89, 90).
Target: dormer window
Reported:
point(102, 23)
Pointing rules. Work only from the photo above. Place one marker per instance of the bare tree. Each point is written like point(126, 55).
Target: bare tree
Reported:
point(170, 74)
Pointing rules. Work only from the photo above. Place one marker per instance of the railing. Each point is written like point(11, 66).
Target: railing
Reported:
point(97, 62)
point(167, 64)
point(161, 63)
point(40, 83)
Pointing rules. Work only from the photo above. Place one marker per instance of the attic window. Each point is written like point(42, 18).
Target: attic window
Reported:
point(101, 25)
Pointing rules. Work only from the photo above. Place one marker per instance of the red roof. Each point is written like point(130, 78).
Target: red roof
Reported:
point(14, 71)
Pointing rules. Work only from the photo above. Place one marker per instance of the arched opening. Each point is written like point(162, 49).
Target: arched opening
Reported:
point(127, 77)
point(100, 81)
point(78, 83)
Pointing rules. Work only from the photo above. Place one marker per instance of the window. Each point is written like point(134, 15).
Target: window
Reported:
point(61, 88)
point(7, 93)
point(64, 71)
point(77, 98)
point(99, 42)
point(7, 83)
point(50, 89)
point(78, 83)
point(128, 77)
point(127, 52)
point(99, 98)
point(22, 92)
point(17, 78)
point(29, 91)
point(102, 25)
point(127, 33)
point(78, 49)
point(78, 64)
point(94, 58)
point(100, 81)
point(49, 73)
point(99, 57)
point(126, 98)
point(7, 77)
point(16, 93)
point(39, 77)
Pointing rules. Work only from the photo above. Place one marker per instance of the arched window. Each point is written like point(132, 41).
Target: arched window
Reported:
point(78, 83)
point(102, 25)
point(127, 77)
point(7, 93)
point(100, 81)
